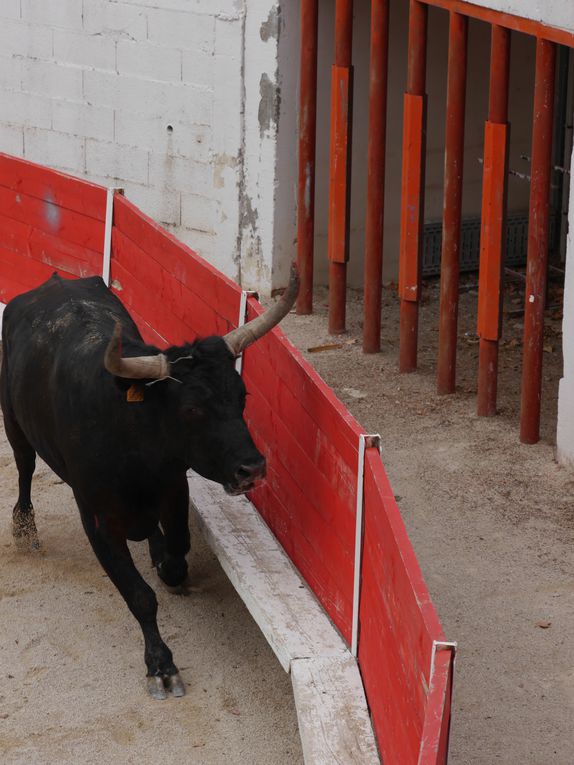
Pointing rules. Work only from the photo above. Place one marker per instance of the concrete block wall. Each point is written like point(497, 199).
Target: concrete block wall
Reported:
point(556, 13)
point(163, 98)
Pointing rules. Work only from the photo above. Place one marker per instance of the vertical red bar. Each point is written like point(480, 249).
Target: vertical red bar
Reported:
point(493, 229)
point(538, 236)
point(453, 170)
point(376, 175)
point(340, 165)
point(307, 133)
point(412, 194)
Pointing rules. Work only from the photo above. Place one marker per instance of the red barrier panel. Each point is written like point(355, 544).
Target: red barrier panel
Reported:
point(398, 623)
point(308, 437)
point(311, 445)
point(48, 222)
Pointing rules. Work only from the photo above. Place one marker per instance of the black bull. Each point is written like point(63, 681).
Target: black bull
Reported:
point(121, 423)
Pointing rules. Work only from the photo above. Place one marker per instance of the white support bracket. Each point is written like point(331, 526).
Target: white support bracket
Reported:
point(241, 321)
point(108, 233)
point(442, 645)
point(365, 442)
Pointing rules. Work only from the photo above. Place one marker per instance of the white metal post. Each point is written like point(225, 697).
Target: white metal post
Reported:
point(371, 441)
point(442, 645)
point(241, 321)
point(108, 233)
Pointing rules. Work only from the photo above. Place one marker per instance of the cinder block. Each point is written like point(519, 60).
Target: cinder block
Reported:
point(228, 38)
point(184, 139)
point(12, 140)
point(10, 9)
point(181, 174)
point(150, 61)
point(83, 120)
point(228, 87)
point(201, 242)
point(25, 109)
point(198, 212)
point(49, 147)
point(198, 68)
point(25, 39)
point(50, 79)
point(79, 48)
point(160, 204)
point(10, 72)
point(208, 7)
point(172, 101)
point(63, 13)
point(116, 20)
point(116, 161)
point(181, 29)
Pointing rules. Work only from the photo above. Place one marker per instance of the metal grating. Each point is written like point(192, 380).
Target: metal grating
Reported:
point(516, 243)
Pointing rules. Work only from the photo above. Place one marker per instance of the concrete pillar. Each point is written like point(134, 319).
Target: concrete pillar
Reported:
point(565, 430)
point(269, 178)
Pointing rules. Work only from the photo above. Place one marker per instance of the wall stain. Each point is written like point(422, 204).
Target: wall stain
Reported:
point(269, 104)
point(270, 28)
point(220, 163)
point(249, 214)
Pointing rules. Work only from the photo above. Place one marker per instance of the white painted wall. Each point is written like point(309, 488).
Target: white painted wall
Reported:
point(556, 13)
point(164, 98)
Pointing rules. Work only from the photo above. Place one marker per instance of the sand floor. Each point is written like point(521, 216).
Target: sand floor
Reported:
point(72, 688)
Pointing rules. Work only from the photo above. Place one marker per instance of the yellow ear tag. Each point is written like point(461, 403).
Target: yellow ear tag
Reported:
point(135, 393)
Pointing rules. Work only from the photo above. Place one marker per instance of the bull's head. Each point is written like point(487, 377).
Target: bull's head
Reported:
point(210, 397)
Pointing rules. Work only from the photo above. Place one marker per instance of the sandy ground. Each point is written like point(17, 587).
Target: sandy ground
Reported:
point(491, 520)
point(71, 657)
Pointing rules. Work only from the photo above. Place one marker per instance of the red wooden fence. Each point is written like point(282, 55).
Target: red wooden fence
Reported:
point(50, 221)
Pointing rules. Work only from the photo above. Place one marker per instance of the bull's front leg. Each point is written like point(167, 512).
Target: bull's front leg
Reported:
point(168, 550)
point(113, 553)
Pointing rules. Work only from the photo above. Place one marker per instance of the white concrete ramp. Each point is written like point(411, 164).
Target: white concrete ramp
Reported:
point(332, 712)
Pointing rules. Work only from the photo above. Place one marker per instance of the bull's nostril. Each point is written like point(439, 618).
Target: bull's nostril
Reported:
point(250, 472)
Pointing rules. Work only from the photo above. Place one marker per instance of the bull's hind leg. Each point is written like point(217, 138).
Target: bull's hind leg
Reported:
point(168, 549)
point(113, 553)
point(23, 524)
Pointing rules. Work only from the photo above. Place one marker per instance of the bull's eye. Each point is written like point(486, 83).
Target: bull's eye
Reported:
point(194, 411)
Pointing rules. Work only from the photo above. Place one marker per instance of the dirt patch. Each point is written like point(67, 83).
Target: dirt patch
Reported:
point(491, 520)
point(71, 657)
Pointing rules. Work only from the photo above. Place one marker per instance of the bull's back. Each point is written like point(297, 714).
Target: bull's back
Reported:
point(54, 338)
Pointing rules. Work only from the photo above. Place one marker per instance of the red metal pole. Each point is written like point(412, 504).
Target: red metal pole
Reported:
point(376, 175)
point(412, 195)
point(493, 230)
point(340, 165)
point(452, 204)
point(307, 133)
point(538, 235)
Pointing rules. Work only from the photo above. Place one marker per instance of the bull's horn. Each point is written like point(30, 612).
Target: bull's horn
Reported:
point(238, 339)
point(137, 367)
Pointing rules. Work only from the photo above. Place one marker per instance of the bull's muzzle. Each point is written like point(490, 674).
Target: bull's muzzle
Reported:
point(246, 476)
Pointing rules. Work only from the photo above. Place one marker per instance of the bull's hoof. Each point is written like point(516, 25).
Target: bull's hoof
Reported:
point(24, 529)
point(176, 686)
point(158, 686)
point(156, 689)
point(172, 571)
